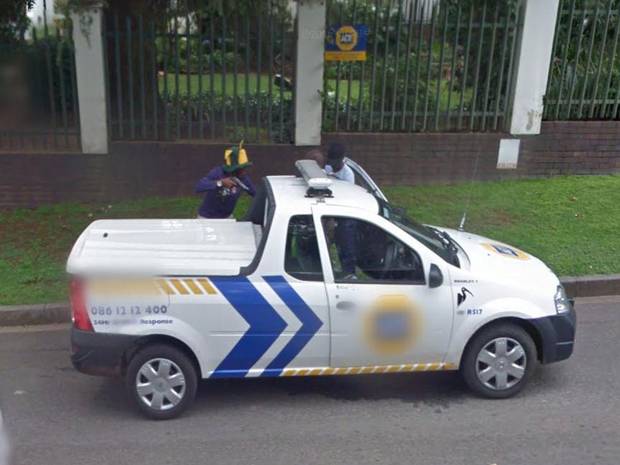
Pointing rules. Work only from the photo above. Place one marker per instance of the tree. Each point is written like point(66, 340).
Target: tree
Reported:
point(13, 20)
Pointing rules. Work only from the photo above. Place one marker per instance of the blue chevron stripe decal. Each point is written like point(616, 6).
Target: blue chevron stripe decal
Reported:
point(309, 327)
point(265, 326)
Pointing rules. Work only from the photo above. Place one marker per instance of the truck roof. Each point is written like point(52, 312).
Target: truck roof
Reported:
point(290, 193)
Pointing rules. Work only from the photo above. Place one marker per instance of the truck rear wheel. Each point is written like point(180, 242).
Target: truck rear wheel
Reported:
point(499, 361)
point(162, 381)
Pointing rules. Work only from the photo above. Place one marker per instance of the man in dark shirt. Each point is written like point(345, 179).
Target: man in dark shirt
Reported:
point(224, 184)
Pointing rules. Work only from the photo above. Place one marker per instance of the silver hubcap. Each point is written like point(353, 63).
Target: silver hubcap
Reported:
point(501, 363)
point(160, 384)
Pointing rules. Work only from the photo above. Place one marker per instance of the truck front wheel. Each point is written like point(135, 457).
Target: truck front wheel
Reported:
point(499, 361)
point(162, 381)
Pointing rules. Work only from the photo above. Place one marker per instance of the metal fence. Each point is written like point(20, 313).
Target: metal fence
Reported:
point(433, 65)
point(584, 76)
point(217, 74)
point(38, 96)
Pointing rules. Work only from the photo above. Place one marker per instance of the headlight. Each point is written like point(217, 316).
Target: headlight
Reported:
point(562, 304)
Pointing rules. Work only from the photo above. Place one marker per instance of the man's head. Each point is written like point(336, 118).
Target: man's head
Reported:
point(317, 155)
point(335, 156)
point(236, 160)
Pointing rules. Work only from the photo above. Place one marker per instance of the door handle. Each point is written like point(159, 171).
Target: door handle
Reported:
point(345, 305)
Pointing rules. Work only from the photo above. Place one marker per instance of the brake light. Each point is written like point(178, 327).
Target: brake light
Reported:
point(79, 313)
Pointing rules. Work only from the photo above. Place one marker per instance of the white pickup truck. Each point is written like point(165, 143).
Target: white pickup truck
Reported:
point(323, 278)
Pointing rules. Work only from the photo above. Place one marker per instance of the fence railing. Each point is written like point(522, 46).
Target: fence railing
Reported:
point(221, 75)
point(38, 96)
point(433, 65)
point(584, 76)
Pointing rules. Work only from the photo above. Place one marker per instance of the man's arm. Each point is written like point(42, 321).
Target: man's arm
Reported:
point(209, 182)
point(245, 179)
point(348, 174)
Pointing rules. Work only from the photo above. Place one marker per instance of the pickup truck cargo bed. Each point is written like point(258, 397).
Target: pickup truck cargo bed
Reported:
point(164, 247)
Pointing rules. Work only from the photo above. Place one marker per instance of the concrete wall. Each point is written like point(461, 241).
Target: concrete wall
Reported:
point(142, 169)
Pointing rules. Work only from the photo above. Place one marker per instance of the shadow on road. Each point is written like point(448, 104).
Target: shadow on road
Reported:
point(437, 390)
point(431, 388)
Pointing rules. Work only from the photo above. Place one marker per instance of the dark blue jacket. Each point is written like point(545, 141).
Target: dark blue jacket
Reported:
point(219, 202)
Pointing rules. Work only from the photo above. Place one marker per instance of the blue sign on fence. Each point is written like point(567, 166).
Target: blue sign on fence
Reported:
point(346, 42)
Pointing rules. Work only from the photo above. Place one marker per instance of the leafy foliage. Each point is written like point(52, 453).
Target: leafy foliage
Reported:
point(13, 20)
point(585, 71)
point(60, 67)
point(271, 112)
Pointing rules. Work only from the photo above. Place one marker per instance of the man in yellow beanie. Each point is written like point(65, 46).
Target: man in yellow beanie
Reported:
point(224, 184)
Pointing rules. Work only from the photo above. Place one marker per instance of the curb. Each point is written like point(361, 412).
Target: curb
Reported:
point(40, 314)
point(592, 286)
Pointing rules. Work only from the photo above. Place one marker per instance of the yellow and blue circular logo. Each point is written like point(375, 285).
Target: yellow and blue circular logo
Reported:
point(505, 251)
point(392, 325)
point(346, 38)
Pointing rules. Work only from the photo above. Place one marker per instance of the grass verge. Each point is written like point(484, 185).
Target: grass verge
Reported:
point(571, 223)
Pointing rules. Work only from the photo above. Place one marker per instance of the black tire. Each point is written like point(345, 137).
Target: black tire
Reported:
point(184, 364)
point(469, 363)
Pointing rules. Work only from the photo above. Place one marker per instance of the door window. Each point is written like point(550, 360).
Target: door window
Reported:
point(301, 258)
point(361, 252)
point(364, 180)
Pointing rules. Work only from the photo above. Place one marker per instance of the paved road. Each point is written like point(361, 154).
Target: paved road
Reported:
point(570, 414)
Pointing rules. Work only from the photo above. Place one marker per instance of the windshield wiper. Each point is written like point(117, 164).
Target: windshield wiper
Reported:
point(446, 240)
point(451, 241)
point(450, 245)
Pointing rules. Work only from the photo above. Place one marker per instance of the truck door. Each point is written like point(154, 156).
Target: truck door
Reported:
point(272, 322)
point(362, 178)
point(382, 310)
point(302, 298)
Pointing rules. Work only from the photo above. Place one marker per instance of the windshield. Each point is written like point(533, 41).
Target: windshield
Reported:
point(433, 239)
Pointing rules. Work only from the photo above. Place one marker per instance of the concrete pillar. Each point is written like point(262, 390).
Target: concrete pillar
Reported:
point(532, 65)
point(309, 71)
point(90, 74)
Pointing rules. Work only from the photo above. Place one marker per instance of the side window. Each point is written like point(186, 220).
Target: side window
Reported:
point(362, 252)
point(301, 258)
point(360, 181)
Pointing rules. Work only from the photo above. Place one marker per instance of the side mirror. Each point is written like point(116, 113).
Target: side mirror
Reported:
point(435, 277)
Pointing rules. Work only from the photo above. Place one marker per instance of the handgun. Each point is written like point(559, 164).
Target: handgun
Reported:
point(240, 183)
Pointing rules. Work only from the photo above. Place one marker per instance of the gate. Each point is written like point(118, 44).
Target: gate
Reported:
point(433, 65)
point(584, 77)
point(218, 74)
point(38, 97)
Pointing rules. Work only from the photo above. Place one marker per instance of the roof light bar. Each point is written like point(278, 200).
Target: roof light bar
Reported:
point(317, 180)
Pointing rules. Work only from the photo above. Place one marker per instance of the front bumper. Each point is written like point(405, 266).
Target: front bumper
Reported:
point(557, 335)
point(99, 353)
